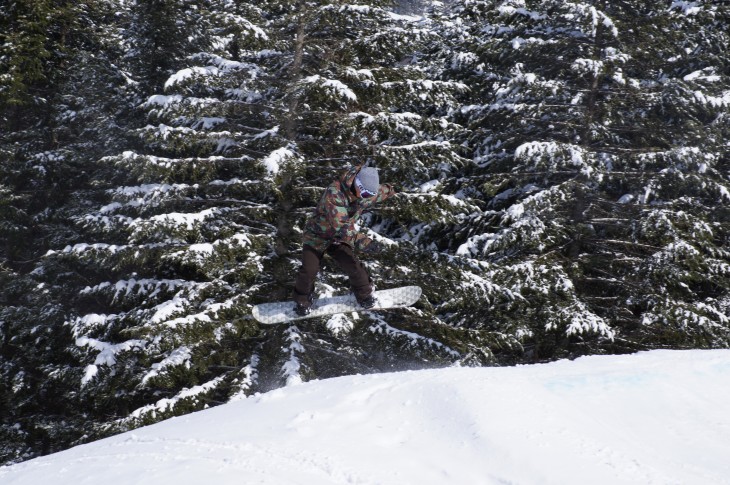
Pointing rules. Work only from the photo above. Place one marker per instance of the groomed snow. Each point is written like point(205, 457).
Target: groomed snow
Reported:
point(651, 418)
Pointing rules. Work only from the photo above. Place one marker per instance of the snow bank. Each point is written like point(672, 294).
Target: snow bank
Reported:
point(658, 417)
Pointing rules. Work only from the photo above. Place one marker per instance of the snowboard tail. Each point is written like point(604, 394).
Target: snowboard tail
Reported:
point(283, 311)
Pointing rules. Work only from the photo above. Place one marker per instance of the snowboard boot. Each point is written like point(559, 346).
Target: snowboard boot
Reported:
point(367, 302)
point(304, 309)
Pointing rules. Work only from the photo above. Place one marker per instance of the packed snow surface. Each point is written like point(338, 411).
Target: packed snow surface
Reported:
point(651, 418)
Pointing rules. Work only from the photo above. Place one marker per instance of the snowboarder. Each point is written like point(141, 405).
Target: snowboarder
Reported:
point(331, 229)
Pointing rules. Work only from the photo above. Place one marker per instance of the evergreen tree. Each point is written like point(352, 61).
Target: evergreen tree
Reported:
point(28, 52)
point(161, 34)
point(202, 221)
point(53, 127)
point(574, 138)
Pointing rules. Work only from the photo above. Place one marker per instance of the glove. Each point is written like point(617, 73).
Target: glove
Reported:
point(337, 242)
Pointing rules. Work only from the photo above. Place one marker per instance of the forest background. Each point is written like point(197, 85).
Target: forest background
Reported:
point(562, 166)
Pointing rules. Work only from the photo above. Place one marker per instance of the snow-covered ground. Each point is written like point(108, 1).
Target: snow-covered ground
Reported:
point(659, 417)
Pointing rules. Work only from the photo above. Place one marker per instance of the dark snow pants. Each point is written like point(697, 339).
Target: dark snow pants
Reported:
point(345, 258)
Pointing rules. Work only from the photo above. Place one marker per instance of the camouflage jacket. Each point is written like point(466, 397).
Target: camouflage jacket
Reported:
point(338, 211)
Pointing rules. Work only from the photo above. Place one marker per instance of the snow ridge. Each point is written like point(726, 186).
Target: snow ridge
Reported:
point(654, 417)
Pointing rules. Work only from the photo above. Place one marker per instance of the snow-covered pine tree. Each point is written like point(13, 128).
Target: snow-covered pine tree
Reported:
point(363, 92)
point(54, 59)
point(176, 231)
point(684, 183)
point(160, 36)
point(573, 113)
point(34, 43)
point(201, 219)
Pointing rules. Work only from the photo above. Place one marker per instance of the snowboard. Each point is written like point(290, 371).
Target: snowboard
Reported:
point(283, 311)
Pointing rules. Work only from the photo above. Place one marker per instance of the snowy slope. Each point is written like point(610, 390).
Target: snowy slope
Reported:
point(651, 418)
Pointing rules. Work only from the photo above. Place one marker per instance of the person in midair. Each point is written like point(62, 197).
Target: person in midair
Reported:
point(331, 230)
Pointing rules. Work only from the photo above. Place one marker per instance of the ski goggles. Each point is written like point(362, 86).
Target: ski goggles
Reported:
point(361, 190)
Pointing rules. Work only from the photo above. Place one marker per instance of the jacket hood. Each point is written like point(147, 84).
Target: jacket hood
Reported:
point(347, 179)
